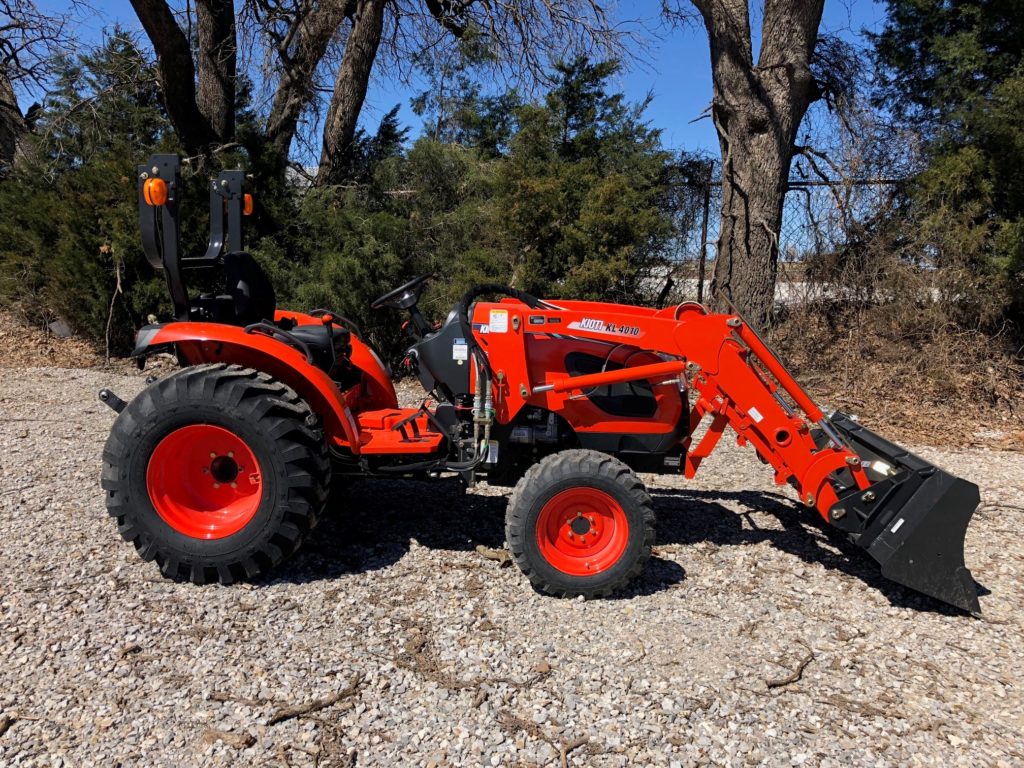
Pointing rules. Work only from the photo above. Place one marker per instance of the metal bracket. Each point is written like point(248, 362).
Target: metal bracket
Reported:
point(113, 401)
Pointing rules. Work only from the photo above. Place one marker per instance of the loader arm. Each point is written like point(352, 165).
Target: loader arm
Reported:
point(909, 515)
point(732, 389)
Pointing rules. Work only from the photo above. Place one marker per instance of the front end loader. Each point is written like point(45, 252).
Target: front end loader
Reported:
point(220, 470)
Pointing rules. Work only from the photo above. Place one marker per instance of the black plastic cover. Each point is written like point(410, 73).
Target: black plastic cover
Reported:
point(913, 520)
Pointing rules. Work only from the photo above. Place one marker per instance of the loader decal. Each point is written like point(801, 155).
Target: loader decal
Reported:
point(600, 326)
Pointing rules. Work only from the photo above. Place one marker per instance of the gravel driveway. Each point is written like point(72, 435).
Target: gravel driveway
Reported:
point(399, 637)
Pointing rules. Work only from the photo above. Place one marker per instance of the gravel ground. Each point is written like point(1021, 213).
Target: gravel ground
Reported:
point(754, 637)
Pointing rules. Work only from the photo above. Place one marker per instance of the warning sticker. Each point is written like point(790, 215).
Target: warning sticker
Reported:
point(498, 322)
point(460, 350)
point(755, 415)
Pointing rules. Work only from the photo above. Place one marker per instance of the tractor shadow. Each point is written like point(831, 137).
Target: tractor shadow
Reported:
point(691, 516)
point(371, 525)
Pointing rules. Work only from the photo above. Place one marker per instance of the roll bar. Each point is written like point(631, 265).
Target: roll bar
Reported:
point(160, 222)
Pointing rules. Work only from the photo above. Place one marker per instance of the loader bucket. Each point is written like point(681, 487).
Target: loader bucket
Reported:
point(912, 519)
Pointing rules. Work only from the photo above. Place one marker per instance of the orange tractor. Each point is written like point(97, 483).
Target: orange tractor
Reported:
point(220, 470)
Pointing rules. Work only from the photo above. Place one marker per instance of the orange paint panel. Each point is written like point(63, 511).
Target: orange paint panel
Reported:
point(201, 343)
point(380, 433)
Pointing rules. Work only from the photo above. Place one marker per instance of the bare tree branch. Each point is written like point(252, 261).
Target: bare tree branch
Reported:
point(309, 30)
point(30, 39)
point(350, 88)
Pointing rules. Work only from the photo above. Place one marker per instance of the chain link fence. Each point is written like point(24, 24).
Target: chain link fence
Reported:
point(820, 219)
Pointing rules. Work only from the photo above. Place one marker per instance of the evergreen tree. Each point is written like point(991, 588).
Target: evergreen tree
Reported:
point(104, 104)
point(458, 110)
point(69, 236)
point(584, 189)
point(955, 69)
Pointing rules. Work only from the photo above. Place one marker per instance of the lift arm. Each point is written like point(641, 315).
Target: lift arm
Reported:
point(908, 514)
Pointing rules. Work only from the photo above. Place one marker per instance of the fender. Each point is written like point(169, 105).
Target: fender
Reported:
point(379, 391)
point(199, 343)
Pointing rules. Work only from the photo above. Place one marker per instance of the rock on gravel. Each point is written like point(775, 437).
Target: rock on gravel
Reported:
point(754, 636)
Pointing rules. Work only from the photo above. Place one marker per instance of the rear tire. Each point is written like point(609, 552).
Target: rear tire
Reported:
point(216, 472)
point(580, 522)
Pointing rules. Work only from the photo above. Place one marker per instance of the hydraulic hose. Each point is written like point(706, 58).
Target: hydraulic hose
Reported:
point(480, 290)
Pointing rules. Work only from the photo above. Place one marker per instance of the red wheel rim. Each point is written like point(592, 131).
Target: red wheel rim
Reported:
point(582, 531)
point(204, 481)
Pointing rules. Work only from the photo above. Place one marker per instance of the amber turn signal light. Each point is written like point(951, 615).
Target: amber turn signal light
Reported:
point(247, 204)
point(155, 192)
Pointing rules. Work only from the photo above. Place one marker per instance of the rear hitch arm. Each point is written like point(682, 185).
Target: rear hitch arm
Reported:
point(113, 401)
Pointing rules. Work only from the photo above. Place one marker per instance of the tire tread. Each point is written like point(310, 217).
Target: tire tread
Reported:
point(259, 398)
point(551, 470)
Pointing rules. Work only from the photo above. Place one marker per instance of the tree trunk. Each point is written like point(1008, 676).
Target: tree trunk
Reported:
point(12, 124)
point(753, 190)
point(757, 111)
point(350, 89)
point(218, 55)
point(301, 53)
point(205, 118)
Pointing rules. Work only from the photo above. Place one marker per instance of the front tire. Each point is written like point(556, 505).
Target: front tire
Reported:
point(580, 522)
point(217, 472)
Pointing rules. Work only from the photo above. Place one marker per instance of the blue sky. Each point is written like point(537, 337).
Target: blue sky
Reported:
point(675, 69)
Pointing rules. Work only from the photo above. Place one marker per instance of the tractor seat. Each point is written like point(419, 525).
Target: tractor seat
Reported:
point(320, 343)
point(251, 293)
point(249, 297)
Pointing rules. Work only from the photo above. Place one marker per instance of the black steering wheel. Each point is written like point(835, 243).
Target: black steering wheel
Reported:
point(404, 296)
